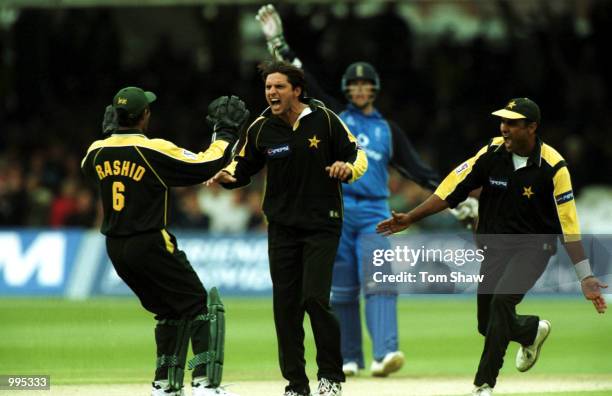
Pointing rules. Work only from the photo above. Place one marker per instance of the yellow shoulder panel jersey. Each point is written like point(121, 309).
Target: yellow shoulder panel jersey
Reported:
point(536, 199)
point(134, 174)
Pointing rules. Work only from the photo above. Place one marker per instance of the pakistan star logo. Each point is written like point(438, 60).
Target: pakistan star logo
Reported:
point(511, 104)
point(527, 192)
point(314, 142)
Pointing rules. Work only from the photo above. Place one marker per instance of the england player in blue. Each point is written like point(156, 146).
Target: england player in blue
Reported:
point(365, 204)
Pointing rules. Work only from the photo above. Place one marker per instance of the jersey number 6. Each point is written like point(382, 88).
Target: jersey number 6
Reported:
point(118, 198)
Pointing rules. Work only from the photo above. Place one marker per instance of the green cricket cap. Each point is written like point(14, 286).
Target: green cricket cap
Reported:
point(133, 100)
point(518, 108)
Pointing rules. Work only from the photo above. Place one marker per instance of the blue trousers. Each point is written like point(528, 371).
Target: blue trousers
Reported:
point(358, 235)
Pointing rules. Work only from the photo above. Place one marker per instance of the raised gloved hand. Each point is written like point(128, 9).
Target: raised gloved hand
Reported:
point(271, 24)
point(227, 115)
point(109, 122)
point(272, 28)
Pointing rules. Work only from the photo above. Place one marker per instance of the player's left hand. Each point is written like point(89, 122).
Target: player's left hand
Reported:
point(397, 223)
point(109, 122)
point(227, 113)
point(591, 288)
point(339, 170)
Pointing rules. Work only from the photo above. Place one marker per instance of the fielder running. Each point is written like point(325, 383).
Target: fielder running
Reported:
point(526, 203)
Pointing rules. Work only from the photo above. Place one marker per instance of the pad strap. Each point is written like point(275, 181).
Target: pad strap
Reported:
point(201, 358)
point(167, 361)
point(204, 317)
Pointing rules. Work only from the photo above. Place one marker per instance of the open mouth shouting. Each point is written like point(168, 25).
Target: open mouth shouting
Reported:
point(275, 104)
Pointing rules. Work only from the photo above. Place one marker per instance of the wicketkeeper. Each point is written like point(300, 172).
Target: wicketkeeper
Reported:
point(134, 174)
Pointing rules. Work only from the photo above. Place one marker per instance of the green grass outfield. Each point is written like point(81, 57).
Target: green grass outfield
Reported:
point(111, 340)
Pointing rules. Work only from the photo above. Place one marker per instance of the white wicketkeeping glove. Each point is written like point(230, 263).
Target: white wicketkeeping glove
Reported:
point(271, 24)
point(467, 209)
point(272, 28)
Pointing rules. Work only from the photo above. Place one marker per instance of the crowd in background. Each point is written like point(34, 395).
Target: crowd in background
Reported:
point(59, 68)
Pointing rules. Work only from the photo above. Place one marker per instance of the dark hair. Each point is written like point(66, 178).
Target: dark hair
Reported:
point(295, 75)
point(125, 119)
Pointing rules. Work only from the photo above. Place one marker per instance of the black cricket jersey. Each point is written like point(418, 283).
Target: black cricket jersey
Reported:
point(535, 199)
point(134, 174)
point(299, 191)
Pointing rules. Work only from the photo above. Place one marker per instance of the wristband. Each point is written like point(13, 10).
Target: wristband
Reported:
point(583, 269)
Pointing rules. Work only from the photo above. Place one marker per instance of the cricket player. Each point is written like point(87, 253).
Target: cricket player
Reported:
point(526, 189)
point(365, 205)
point(134, 175)
point(309, 154)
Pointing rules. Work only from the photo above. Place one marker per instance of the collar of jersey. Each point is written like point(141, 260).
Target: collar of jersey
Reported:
point(534, 158)
point(133, 131)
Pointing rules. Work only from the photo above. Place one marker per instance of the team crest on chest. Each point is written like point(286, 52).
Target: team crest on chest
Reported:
point(314, 142)
point(527, 192)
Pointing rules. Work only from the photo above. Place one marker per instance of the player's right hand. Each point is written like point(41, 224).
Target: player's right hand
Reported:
point(591, 288)
point(221, 177)
point(397, 223)
point(271, 24)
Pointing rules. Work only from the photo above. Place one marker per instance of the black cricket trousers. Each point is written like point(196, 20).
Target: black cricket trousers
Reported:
point(166, 284)
point(508, 276)
point(301, 266)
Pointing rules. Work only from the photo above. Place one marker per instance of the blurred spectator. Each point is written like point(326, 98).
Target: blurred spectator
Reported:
point(13, 195)
point(257, 220)
point(84, 212)
point(226, 212)
point(65, 204)
point(188, 212)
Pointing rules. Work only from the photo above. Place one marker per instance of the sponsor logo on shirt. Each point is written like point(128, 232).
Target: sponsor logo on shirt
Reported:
point(565, 197)
point(498, 183)
point(278, 151)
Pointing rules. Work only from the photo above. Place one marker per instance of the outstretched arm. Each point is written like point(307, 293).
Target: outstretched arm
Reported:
point(400, 221)
point(272, 28)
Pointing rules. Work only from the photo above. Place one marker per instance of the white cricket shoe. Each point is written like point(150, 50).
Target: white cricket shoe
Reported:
point(392, 362)
point(527, 356)
point(199, 387)
point(161, 388)
point(483, 390)
point(329, 388)
point(350, 369)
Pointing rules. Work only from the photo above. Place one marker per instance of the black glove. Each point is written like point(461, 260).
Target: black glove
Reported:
point(227, 115)
point(109, 123)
